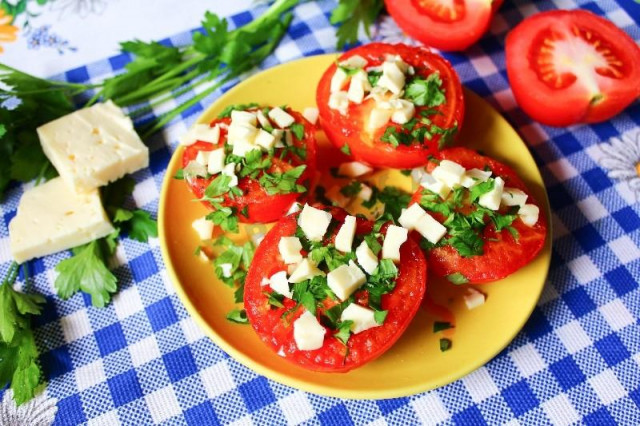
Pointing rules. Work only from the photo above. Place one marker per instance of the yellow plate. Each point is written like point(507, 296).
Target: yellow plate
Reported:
point(414, 364)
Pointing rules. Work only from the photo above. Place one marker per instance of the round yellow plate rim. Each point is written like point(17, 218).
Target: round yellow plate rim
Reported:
point(327, 390)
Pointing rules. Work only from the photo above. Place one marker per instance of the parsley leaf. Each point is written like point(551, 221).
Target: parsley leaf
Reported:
point(441, 325)
point(345, 149)
point(457, 278)
point(445, 345)
point(350, 14)
point(344, 331)
point(352, 189)
point(137, 223)
point(239, 316)
point(283, 183)
point(226, 112)
point(380, 316)
point(426, 92)
point(298, 130)
point(394, 200)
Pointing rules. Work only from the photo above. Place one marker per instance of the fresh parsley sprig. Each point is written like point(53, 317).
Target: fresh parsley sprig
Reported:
point(350, 15)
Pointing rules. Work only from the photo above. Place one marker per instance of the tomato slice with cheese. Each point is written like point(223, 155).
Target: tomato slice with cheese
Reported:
point(390, 105)
point(489, 235)
point(449, 25)
point(568, 67)
point(263, 184)
point(380, 307)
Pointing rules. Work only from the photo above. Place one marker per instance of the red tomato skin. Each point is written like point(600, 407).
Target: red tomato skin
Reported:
point(447, 35)
point(402, 303)
point(261, 207)
point(349, 129)
point(501, 258)
point(571, 105)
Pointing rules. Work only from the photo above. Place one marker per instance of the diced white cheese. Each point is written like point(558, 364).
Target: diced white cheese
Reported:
point(278, 134)
point(492, 199)
point(430, 228)
point(314, 222)
point(339, 101)
point(366, 258)
point(337, 198)
point(241, 133)
point(93, 146)
point(514, 197)
point(355, 61)
point(265, 139)
point(295, 208)
point(289, 248)
point(473, 298)
point(288, 137)
point(230, 170)
point(203, 227)
point(216, 161)
point(279, 283)
point(52, 217)
point(305, 270)
point(241, 148)
point(417, 174)
point(529, 214)
point(344, 238)
point(203, 256)
point(194, 169)
point(226, 269)
point(354, 169)
point(392, 77)
point(308, 333)
point(338, 80)
point(358, 86)
point(449, 173)
point(201, 132)
point(363, 318)
point(263, 120)
point(365, 192)
point(311, 114)
point(393, 240)
point(292, 268)
point(378, 117)
point(282, 118)
point(434, 185)
point(202, 157)
point(265, 281)
point(244, 117)
point(409, 217)
point(403, 111)
point(397, 59)
point(473, 177)
point(345, 279)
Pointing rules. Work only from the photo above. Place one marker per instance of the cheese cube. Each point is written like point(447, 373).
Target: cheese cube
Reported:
point(230, 170)
point(295, 208)
point(492, 199)
point(397, 59)
point(514, 197)
point(393, 240)
point(417, 174)
point(278, 283)
point(242, 147)
point(193, 169)
point(265, 281)
point(202, 157)
point(529, 214)
point(339, 101)
point(52, 217)
point(277, 133)
point(366, 258)
point(365, 192)
point(314, 222)
point(355, 61)
point(378, 117)
point(338, 80)
point(311, 114)
point(354, 169)
point(93, 146)
point(201, 132)
point(392, 77)
point(226, 269)
point(345, 280)
point(292, 268)
point(282, 118)
point(473, 298)
point(435, 186)
point(404, 111)
point(449, 173)
point(244, 117)
point(216, 161)
point(344, 238)
point(305, 270)
point(264, 139)
point(363, 318)
point(430, 228)
point(336, 197)
point(473, 177)
point(289, 248)
point(358, 86)
point(241, 133)
point(203, 227)
point(308, 333)
point(262, 119)
point(409, 217)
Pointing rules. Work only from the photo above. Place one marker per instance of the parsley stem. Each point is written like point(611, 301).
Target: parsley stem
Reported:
point(155, 90)
point(12, 274)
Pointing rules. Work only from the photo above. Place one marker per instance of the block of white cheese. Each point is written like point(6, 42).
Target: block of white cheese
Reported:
point(529, 214)
point(435, 185)
point(430, 228)
point(278, 283)
point(289, 248)
point(53, 217)
point(363, 318)
point(345, 279)
point(366, 258)
point(353, 169)
point(308, 333)
point(201, 132)
point(493, 198)
point(409, 217)
point(314, 222)
point(393, 240)
point(514, 197)
point(403, 111)
point(338, 80)
point(473, 177)
point(365, 192)
point(203, 227)
point(93, 146)
point(344, 238)
point(303, 271)
point(339, 101)
point(311, 114)
point(215, 163)
point(355, 61)
point(226, 269)
point(473, 298)
point(449, 172)
point(282, 118)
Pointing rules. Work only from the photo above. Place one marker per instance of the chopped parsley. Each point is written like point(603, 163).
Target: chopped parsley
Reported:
point(344, 331)
point(441, 325)
point(352, 189)
point(393, 199)
point(445, 345)
point(457, 278)
point(373, 77)
point(283, 183)
point(298, 130)
point(226, 113)
point(426, 91)
point(239, 316)
point(345, 149)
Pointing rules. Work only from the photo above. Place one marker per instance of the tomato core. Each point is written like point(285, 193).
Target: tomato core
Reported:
point(441, 10)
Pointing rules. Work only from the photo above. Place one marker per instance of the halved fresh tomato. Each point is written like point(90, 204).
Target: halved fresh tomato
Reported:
point(274, 325)
point(568, 67)
point(255, 203)
point(503, 254)
point(440, 122)
point(444, 24)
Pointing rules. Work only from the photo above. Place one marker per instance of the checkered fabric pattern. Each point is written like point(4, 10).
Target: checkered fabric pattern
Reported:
point(143, 360)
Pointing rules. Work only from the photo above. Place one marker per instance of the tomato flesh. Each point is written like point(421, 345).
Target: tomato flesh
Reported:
point(503, 255)
point(568, 67)
point(260, 206)
point(277, 333)
point(351, 129)
point(450, 25)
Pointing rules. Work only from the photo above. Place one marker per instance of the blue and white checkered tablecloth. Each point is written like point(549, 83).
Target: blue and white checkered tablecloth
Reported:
point(142, 359)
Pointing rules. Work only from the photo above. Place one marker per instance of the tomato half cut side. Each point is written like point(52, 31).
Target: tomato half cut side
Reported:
point(450, 25)
point(255, 203)
point(274, 325)
point(501, 252)
point(568, 67)
point(431, 90)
